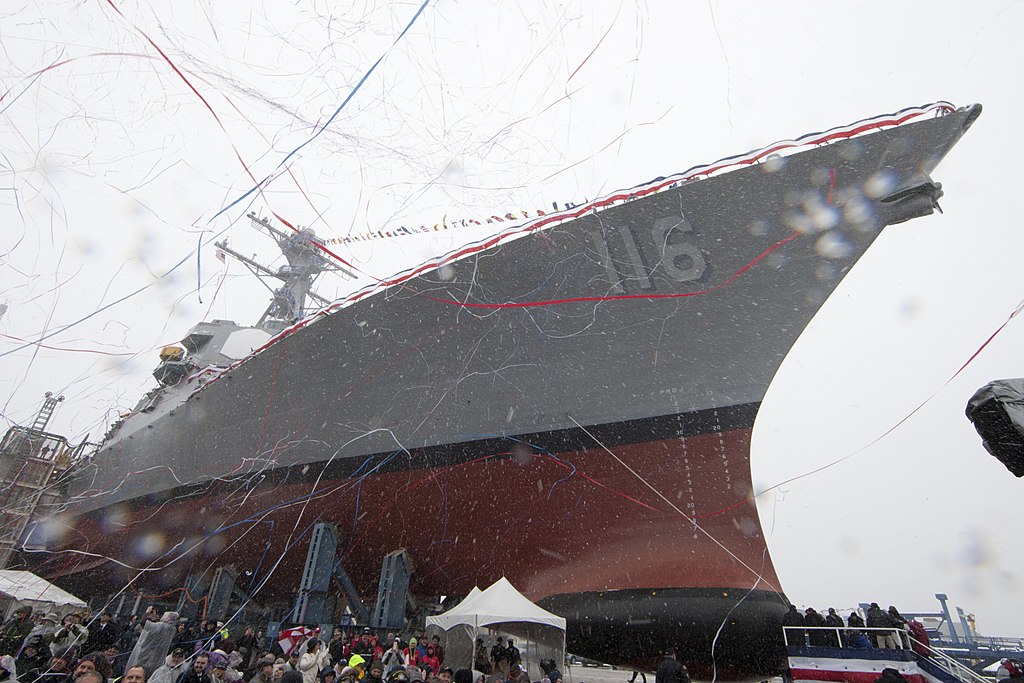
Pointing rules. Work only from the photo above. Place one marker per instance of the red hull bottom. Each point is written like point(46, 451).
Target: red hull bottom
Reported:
point(640, 545)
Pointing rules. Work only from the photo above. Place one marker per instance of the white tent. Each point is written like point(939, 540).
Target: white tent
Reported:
point(20, 589)
point(500, 611)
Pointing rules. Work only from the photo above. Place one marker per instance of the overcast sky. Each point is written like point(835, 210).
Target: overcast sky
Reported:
point(116, 162)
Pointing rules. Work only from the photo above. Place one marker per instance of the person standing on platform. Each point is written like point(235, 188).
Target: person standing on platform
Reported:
point(671, 670)
point(816, 636)
point(791, 620)
point(833, 620)
point(877, 619)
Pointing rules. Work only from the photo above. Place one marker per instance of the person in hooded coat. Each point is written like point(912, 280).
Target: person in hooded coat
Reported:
point(173, 667)
point(56, 671)
point(154, 643)
point(8, 670)
point(920, 636)
point(15, 630)
point(33, 658)
point(315, 660)
point(375, 674)
point(69, 639)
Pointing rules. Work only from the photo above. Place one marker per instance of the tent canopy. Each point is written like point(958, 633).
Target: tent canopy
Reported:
point(20, 588)
point(502, 611)
point(501, 603)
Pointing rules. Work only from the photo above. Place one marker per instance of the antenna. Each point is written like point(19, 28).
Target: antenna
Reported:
point(306, 262)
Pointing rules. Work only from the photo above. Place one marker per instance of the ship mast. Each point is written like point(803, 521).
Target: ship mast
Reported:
point(305, 264)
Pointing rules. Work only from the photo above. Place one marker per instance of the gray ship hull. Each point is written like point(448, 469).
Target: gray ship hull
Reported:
point(636, 342)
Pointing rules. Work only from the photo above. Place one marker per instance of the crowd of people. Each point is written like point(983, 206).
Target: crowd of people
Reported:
point(881, 629)
point(35, 648)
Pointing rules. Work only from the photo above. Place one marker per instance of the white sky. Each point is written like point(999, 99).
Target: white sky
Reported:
point(112, 167)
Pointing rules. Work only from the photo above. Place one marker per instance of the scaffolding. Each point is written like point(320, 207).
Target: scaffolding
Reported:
point(33, 465)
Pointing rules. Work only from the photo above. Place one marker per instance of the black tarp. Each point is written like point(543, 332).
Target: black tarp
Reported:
point(997, 411)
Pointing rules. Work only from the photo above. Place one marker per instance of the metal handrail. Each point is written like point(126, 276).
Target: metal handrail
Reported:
point(937, 657)
point(941, 659)
point(895, 632)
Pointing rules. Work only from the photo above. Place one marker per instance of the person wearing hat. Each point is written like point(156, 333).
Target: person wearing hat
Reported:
point(410, 653)
point(517, 674)
point(218, 667)
point(499, 657)
point(358, 663)
point(328, 675)
point(480, 661)
point(173, 667)
point(445, 674)
point(15, 630)
point(33, 658)
point(375, 672)
point(46, 626)
point(70, 637)
point(362, 644)
point(397, 676)
point(671, 670)
point(350, 674)
point(92, 662)
point(264, 671)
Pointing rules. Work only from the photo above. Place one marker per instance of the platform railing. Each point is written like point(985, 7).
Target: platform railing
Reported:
point(947, 663)
point(800, 634)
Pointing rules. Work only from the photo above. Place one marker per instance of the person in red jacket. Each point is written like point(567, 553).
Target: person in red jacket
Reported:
point(919, 637)
point(430, 660)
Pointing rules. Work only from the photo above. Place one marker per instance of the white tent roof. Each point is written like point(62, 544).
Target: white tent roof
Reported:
point(27, 587)
point(501, 603)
